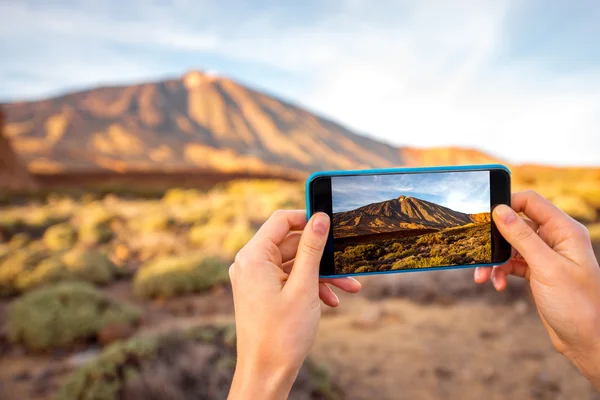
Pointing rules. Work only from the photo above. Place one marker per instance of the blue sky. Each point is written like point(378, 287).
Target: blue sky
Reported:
point(466, 192)
point(518, 79)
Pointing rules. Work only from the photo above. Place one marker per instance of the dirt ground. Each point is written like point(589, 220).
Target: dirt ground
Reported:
point(421, 335)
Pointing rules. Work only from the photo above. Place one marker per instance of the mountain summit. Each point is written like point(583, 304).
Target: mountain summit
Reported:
point(201, 121)
point(399, 214)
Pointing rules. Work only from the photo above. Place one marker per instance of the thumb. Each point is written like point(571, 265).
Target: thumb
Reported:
point(521, 236)
point(305, 273)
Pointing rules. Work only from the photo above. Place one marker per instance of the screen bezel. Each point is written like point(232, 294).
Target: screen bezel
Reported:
point(320, 199)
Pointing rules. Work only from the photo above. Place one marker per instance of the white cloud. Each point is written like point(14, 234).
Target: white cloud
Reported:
point(420, 73)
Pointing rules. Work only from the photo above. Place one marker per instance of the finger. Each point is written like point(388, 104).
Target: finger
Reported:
point(231, 273)
point(532, 224)
point(520, 235)
point(280, 223)
point(327, 295)
point(305, 273)
point(482, 274)
point(287, 266)
point(347, 284)
point(289, 246)
point(538, 209)
point(499, 278)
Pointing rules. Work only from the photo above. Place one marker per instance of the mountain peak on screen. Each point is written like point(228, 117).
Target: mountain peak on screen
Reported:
point(401, 213)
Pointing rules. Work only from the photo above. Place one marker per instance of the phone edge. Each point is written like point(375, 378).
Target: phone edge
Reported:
point(448, 168)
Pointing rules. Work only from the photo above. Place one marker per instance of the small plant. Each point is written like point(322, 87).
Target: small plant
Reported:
point(174, 276)
point(60, 237)
point(95, 233)
point(42, 218)
point(10, 222)
point(181, 196)
point(156, 222)
point(16, 263)
point(196, 363)
point(63, 314)
point(90, 266)
point(237, 237)
point(49, 270)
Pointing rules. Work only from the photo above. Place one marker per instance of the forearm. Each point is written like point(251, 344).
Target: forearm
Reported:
point(250, 382)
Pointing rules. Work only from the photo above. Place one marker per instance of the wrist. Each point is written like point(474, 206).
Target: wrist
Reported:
point(255, 381)
point(588, 363)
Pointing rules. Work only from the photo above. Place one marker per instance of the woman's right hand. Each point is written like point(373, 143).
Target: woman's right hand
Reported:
point(554, 253)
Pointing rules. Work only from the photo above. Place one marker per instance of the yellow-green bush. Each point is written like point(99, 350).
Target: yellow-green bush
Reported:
point(226, 239)
point(576, 207)
point(19, 241)
point(11, 222)
point(33, 266)
point(60, 237)
point(48, 270)
point(193, 215)
point(172, 276)
point(89, 265)
point(63, 314)
point(155, 222)
point(181, 196)
point(44, 217)
point(14, 264)
point(196, 363)
point(92, 233)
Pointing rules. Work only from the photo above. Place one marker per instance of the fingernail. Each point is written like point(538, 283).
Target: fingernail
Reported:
point(477, 273)
point(337, 299)
point(505, 214)
point(320, 224)
point(493, 278)
point(359, 284)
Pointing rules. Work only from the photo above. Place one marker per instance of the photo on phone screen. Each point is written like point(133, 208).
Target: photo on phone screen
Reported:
point(405, 221)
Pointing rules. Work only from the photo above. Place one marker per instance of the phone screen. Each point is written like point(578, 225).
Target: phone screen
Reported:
point(404, 221)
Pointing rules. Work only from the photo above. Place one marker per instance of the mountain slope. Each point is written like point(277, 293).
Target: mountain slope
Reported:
point(198, 121)
point(13, 174)
point(398, 214)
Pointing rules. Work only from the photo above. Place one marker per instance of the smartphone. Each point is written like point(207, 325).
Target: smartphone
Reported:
point(410, 219)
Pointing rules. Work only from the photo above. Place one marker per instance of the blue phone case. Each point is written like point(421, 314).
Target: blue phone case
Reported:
point(401, 170)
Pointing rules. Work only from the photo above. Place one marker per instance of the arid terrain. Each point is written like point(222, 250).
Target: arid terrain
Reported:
point(413, 336)
point(121, 209)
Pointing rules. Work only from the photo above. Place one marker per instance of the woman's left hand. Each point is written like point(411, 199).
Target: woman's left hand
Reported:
point(276, 292)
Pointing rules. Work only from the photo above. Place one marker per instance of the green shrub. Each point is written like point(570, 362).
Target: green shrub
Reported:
point(45, 217)
point(364, 268)
point(193, 216)
point(364, 251)
point(49, 270)
point(90, 266)
point(155, 222)
point(481, 254)
point(95, 233)
point(19, 241)
point(237, 237)
point(62, 314)
point(200, 234)
point(181, 196)
point(195, 363)
point(14, 264)
point(173, 276)
point(10, 222)
point(60, 237)
point(30, 268)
